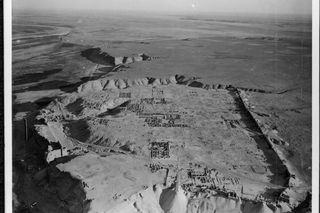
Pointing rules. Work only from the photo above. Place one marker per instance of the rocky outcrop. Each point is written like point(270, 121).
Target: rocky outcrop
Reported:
point(64, 190)
point(68, 189)
point(97, 56)
point(104, 84)
point(254, 90)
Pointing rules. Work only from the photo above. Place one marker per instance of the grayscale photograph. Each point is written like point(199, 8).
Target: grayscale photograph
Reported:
point(162, 106)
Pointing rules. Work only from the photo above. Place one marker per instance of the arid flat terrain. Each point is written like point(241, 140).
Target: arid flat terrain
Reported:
point(137, 113)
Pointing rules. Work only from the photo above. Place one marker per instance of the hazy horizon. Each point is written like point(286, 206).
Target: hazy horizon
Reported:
point(255, 17)
point(264, 7)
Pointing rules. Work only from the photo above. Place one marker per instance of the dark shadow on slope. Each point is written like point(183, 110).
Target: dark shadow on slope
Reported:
point(72, 87)
point(104, 71)
point(278, 169)
point(43, 102)
point(69, 191)
point(196, 84)
point(34, 77)
point(68, 45)
point(304, 206)
point(96, 56)
point(79, 130)
point(173, 201)
point(115, 111)
point(24, 107)
point(75, 107)
point(50, 85)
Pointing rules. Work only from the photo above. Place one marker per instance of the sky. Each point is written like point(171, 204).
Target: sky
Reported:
point(219, 6)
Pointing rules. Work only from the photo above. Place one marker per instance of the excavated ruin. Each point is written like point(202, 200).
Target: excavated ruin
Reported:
point(77, 115)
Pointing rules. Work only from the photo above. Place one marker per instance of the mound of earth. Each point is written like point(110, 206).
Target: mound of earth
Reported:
point(173, 201)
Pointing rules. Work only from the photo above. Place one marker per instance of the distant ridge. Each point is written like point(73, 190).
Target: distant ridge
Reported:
point(97, 56)
point(105, 83)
